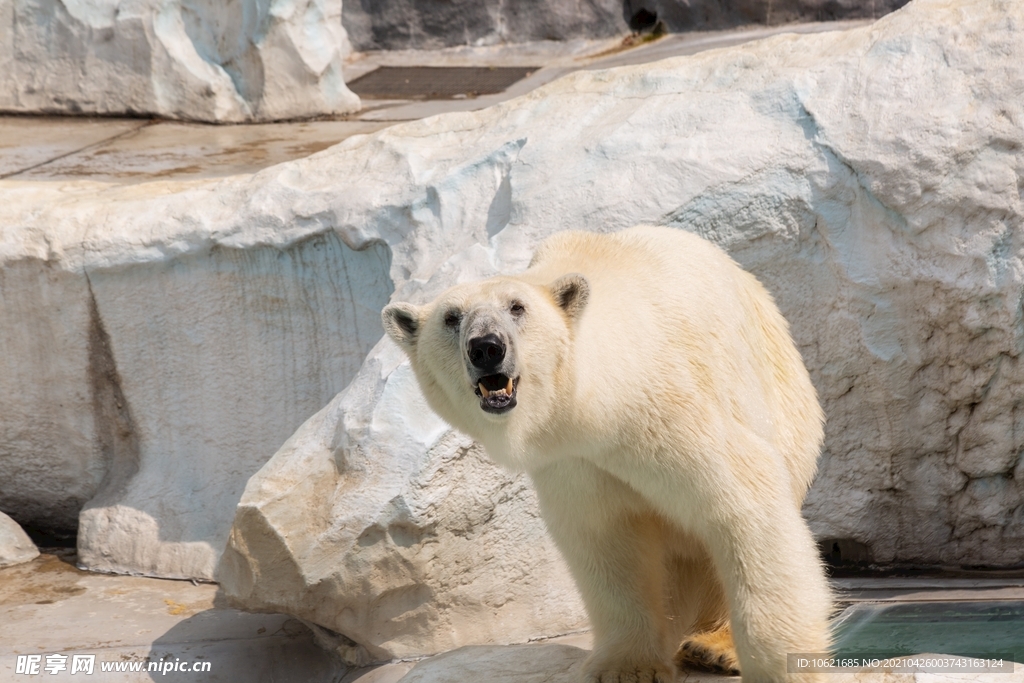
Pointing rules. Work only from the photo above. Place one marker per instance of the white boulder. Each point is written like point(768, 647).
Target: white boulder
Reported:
point(206, 60)
point(379, 522)
point(15, 545)
point(870, 178)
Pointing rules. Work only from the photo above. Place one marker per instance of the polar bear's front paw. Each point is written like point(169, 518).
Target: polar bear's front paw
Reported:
point(630, 673)
point(713, 651)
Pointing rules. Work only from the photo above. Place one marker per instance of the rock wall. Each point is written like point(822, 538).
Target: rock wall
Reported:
point(51, 458)
point(147, 376)
point(683, 15)
point(418, 24)
point(179, 333)
point(872, 179)
point(204, 60)
point(219, 355)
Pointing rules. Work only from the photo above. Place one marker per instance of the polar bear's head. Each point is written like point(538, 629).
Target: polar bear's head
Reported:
point(493, 352)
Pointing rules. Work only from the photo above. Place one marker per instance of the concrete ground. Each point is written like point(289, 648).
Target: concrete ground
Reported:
point(48, 607)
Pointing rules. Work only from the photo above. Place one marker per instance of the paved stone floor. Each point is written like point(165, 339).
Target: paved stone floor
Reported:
point(113, 150)
point(48, 607)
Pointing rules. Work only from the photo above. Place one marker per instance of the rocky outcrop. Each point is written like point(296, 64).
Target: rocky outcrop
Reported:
point(15, 545)
point(205, 60)
point(405, 24)
point(180, 333)
point(380, 523)
point(871, 179)
point(154, 363)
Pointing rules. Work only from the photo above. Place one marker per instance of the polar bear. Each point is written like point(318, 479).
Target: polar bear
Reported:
point(650, 388)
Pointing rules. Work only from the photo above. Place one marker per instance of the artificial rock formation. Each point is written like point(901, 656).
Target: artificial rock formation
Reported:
point(205, 60)
point(408, 24)
point(379, 522)
point(870, 178)
point(153, 364)
point(180, 333)
point(15, 545)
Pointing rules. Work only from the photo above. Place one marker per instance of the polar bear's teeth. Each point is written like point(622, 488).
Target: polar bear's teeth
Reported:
point(505, 391)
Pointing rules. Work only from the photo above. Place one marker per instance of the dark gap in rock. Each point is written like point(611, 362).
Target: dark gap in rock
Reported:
point(643, 20)
point(52, 538)
point(845, 553)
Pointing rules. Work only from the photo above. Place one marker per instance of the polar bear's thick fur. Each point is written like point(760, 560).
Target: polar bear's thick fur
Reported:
point(650, 388)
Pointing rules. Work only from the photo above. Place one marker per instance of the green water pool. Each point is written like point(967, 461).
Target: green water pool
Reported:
point(974, 629)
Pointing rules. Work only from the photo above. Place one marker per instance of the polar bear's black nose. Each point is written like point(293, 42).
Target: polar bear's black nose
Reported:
point(486, 352)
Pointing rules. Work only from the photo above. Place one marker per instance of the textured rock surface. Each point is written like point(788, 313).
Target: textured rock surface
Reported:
point(683, 15)
point(51, 460)
point(404, 24)
point(220, 355)
point(15, 545)
point(207, 60)
point(872, 179)
point(379, 522)
point(151, 371)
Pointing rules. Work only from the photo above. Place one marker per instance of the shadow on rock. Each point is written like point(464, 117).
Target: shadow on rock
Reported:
point(226, 645)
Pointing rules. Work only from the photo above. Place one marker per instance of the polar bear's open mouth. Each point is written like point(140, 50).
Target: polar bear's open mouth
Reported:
point(497, 393)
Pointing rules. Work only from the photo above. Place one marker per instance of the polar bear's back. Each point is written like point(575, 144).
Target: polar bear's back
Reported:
point(673, 325)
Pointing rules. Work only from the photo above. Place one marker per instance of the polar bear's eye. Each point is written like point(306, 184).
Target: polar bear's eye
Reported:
point(517, 308)
point(452, 319)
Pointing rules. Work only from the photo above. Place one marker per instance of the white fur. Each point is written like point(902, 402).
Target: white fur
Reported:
point(671, 431)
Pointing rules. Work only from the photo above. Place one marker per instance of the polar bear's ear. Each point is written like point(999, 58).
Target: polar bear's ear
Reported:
point(571, 293)
point(402, 323)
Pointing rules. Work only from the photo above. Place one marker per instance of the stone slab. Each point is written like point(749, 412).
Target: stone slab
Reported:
point(49, 607)
point(175, 151)
point(27, 142)
point(695, 42)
